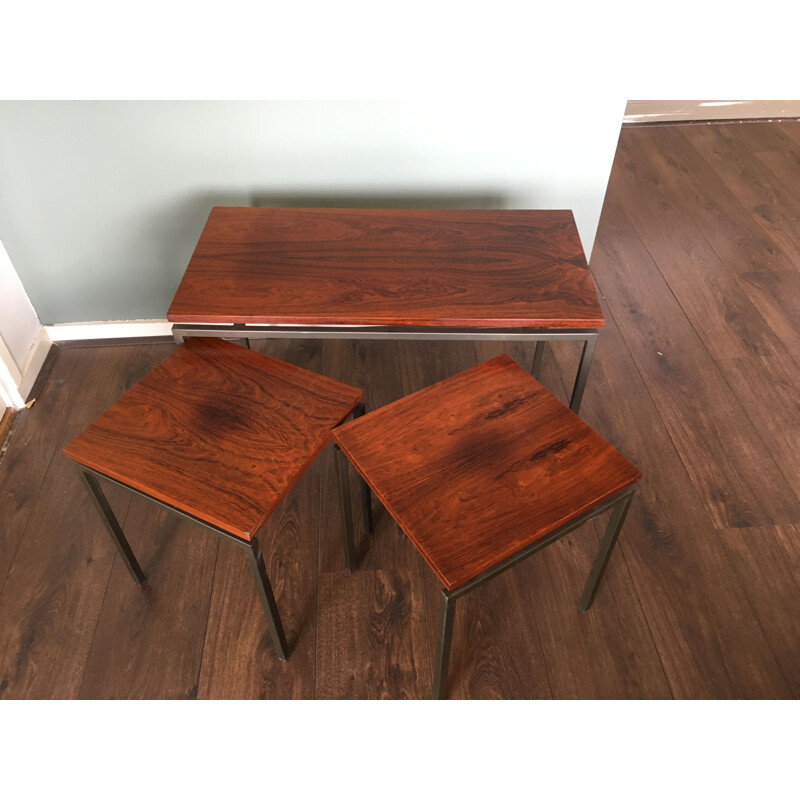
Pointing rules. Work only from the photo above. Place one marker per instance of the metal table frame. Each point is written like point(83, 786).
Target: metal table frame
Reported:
point(251, 547)
point(541, 336)
point(618, 504)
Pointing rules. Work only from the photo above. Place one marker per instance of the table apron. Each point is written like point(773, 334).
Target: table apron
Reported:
point(183, 331)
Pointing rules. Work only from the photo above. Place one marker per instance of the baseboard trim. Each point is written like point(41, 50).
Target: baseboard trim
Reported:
point(38, 356)
point(43, 373)
point(102, 332)
point(121, 342)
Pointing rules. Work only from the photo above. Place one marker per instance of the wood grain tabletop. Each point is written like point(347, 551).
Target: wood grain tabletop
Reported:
point(388, 267)
point(217, 431)
point(476, 467)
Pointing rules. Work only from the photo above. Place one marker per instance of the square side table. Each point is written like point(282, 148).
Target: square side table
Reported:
point(218, 434)
point(482, 470)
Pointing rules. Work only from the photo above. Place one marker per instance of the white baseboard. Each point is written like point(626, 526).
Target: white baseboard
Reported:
point(113, 329)
point(34, 361)
point(16, 381)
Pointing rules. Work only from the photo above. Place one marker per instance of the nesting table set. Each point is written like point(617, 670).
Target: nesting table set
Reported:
point(480, 470)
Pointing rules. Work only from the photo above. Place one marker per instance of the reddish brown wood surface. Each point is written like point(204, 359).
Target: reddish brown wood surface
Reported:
point(218, 431)
point(388, 267)
point(478, 466)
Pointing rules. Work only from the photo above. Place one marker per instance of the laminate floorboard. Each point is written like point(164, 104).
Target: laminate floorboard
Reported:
point(767, 389)
point(35, 439)
point(708, 640)
point(149, 640)
point(790, 129)
point(777, 297)
point(372, 636)
point(706, 289)
point(496, 651)
point(729, 464)
point(695, 378)
point(782, 222)
point(735, 162)
point(784, 166)
point(57, 582)
point(777, 157)
point(696, 192)
point(776, 137)
point(767, 561)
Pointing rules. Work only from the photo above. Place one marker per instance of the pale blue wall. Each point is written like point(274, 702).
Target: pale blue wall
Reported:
point(101, 203)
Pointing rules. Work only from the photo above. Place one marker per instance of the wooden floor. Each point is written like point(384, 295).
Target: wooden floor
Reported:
point(696, 379)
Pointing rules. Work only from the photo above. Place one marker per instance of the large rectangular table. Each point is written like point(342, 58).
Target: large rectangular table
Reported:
point(391, 274)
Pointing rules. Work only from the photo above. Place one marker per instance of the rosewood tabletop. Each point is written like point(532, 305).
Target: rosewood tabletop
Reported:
point(449, 464)
point(388, 267)
point(217, 431)
point(388, 273)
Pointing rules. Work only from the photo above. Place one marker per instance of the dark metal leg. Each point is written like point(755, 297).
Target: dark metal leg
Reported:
point(583, 374)
point(538, 355)
point(256, 562)
point(446, 610)
point(347, 512)
point(245, 343)
point(607, 545)
point(366, 504)
point(114, 527)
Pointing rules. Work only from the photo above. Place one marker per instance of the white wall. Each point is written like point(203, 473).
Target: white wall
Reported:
point(102, 202)
point(18, 320)
point(23, 342)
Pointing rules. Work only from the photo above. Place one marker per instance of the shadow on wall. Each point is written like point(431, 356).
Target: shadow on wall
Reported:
point(174, 231)
point(455, 200)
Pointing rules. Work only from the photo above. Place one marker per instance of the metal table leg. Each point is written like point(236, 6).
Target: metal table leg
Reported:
point(347, 513)
point(366, 500)
point(254, 557)
point(583, 374)
point(259, 570)
point(538, 355)
point(607, 545)
point(618, 505)
point(114, 527)
point(446, 612)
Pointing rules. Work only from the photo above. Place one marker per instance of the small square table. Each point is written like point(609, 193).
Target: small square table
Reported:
point(218, 434)
point(482, 470)
point(391, 274)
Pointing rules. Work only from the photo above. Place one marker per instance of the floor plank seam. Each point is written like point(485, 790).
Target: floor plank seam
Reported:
point(656, 647)
point(733, 195)
point(754, 613)
point(421, 567)
point(123, 522)
point(96, 625)
point(37, 494)
point(208, 622)
point(791, 479)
